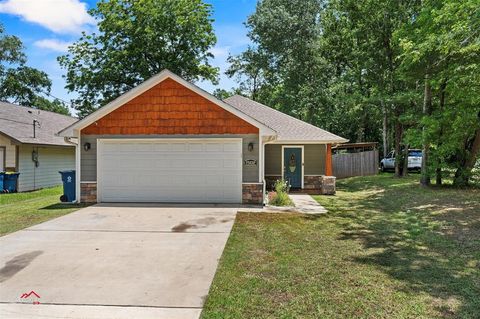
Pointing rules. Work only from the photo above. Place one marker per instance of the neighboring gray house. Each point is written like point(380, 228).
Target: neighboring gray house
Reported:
point(28, 145)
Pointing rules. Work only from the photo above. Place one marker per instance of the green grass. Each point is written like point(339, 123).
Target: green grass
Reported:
point(388, 248)
point(21, 210)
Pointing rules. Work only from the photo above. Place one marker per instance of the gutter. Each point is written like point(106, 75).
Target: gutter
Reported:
point(68, 141)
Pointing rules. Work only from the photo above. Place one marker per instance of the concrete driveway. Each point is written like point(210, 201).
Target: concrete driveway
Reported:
point(114, 261)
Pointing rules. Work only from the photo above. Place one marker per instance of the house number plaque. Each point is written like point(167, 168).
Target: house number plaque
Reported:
point(250, 162)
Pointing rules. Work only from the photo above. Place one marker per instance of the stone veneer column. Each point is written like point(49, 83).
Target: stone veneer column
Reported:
point(325, 185)
point(88, 192)
point(252, 193)
point(328, 185)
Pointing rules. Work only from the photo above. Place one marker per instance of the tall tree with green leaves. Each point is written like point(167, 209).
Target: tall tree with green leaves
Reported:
point(135, 40)
point(441, 49)
point(249, 69)
point(21, 84)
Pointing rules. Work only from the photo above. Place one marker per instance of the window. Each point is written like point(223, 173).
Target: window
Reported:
point(415, 153)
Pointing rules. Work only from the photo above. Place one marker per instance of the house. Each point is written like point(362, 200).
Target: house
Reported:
point(167, 140)
point(29, 145)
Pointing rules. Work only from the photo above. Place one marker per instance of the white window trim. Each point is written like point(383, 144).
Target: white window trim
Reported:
point(303, 160)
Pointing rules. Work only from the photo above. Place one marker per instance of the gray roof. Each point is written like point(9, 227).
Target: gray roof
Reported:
point(287, 127)
point(17, 123)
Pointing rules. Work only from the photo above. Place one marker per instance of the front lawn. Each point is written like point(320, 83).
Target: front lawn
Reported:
point(21, 210)
point(388, 248)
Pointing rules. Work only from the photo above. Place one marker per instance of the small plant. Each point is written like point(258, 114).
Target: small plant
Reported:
point(280, 196)
point(281, 186)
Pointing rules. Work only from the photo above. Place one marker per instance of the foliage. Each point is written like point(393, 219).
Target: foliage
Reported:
point(222, 94)
point(367, 70)
point(56, 105)
point(20, 83)
point(136, 40)
point(280, 196)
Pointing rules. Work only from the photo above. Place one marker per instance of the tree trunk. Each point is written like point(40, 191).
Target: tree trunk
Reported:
point(438, 169)
point(385, 129)
point(427, 106)
point(398, 150)
point(405, 161)
point(438, 175)
point(463, 173)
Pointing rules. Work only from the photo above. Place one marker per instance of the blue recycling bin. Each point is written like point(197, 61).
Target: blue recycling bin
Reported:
point(10, 182)
point(68, 179)
point(1, 181)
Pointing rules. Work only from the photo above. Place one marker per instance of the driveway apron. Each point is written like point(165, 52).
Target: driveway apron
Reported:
point(114, 261)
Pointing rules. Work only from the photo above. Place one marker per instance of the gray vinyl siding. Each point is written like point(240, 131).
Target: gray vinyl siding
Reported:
point(51, 160)
point(89, 158)
point(314, 158)
point(273, 159)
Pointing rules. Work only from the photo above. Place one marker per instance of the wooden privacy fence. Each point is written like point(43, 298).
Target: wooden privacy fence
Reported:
point(355, 164)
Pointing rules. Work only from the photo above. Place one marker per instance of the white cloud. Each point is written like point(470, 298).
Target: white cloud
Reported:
point(59, 16)
point(52, 44)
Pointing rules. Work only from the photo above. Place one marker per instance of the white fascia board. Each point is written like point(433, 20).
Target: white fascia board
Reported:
point(148, 84)
point(339, 141)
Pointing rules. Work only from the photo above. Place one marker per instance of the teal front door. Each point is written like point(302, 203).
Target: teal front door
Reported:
point(292, 166)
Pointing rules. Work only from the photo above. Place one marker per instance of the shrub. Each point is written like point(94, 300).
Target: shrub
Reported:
point(281, 186)
point(280, 196)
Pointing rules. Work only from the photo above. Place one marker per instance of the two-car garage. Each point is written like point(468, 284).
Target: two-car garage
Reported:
point(169, 170)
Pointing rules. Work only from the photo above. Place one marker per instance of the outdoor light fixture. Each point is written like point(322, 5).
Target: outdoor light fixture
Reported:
point(250, 147)
point(87, 147)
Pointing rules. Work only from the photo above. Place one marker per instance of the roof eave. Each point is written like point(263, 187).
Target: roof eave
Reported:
point(309, 141)
point(15, 141)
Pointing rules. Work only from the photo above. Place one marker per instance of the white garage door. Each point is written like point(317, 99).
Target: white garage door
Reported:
point(156, 170)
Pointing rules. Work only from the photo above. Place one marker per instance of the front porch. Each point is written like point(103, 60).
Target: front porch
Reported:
point(307, 167)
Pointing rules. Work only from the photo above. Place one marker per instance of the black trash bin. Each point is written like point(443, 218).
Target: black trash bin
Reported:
point(68, 179)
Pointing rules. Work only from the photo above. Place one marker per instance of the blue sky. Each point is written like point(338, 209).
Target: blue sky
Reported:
point(46, 27)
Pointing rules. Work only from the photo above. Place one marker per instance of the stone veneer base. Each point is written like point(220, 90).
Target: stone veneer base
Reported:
point(252, 193)
point(88, 192)
point(312, 184)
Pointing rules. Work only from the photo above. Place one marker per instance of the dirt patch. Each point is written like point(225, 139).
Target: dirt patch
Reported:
point(17, 263)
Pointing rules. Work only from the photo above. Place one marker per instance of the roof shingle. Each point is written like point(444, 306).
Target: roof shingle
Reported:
point(287, 127)
point(17, 123)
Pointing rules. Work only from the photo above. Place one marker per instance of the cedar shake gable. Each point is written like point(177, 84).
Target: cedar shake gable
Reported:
point(169, 108)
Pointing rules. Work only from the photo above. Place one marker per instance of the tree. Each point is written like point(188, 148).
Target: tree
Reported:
point(23, 85)
point(19, 83)
point(403, 73)
point(137, 39)
point(222, 94)
point(249, 69)
point(56, 105)
point(441, 47)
